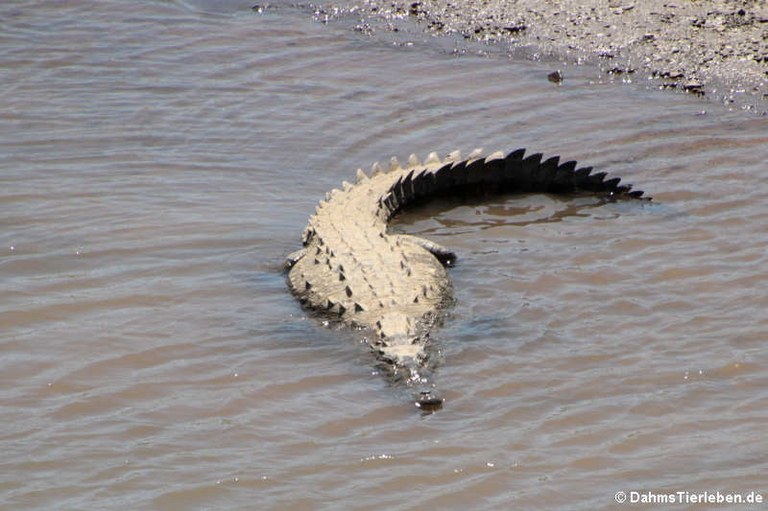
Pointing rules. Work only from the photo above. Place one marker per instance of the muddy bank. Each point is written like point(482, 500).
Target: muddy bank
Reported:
point(717, 48)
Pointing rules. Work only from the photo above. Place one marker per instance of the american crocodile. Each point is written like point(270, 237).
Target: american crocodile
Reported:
point(393, 286)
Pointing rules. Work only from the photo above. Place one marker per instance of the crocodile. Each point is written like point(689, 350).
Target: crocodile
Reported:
point(394, 286)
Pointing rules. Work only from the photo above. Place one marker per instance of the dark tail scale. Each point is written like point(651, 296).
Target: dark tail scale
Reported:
point(513, 174)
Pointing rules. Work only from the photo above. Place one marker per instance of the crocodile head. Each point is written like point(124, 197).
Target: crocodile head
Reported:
point(403, 345)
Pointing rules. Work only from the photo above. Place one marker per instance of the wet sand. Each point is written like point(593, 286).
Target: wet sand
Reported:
point(716, 48)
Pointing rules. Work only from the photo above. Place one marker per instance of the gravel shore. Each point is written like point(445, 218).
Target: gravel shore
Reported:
point(717, 48)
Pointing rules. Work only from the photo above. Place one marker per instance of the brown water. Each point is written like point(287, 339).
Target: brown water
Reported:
point(159, 159)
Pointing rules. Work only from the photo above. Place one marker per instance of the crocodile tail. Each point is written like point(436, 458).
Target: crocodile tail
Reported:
point(513, 173)
point(531, 174)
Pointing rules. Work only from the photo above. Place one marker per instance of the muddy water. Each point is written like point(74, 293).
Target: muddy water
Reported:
point(157, 162)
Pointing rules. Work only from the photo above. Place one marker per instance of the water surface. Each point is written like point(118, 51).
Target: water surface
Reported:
point(157, 162)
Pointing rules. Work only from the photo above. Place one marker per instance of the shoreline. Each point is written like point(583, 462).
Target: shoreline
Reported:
point(712, 48)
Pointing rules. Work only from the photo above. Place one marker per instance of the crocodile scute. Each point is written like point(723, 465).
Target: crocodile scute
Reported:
point(394, 286)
